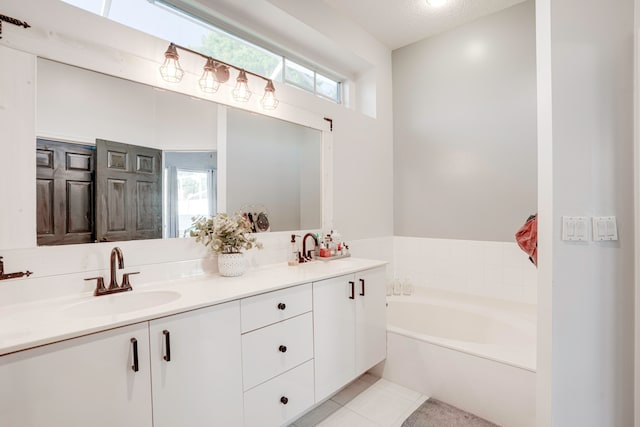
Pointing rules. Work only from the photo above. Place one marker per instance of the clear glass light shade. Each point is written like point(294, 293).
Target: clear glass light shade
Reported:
point(208, 82)
point(241, 92)
point(269, 100)
point(170, 70)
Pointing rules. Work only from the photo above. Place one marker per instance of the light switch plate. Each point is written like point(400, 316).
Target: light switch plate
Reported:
point(605, 229)
point(575, 228)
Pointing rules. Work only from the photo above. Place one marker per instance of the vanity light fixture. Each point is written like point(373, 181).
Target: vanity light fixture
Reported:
point(436, 3)
point(208, 82)
point(171, 70)
point(269, 100)
point(241, 92)
point(216, 72)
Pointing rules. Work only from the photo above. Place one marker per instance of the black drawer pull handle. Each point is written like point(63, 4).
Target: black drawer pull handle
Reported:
point(282, 306)
point(284, 400)
point(282, 348)
point(353, 290)
point(362, 283)
point(135, 367)
point(167, 345)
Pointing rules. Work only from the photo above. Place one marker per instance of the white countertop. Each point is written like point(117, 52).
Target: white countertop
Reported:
point(46, 321)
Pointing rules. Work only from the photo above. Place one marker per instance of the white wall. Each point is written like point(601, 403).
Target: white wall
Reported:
point(18, 122)
point(465, 129)
point(78, 105)
point(586, 290)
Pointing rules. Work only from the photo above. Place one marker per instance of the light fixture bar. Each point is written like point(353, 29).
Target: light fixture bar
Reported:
point(216, 72)
point(195, 52)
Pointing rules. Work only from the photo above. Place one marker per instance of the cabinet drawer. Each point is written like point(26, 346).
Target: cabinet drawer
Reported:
point(269, 351)
point(264, 407)
point(272, 307)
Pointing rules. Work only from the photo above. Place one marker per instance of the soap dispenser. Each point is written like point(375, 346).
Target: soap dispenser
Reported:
point(293, 252)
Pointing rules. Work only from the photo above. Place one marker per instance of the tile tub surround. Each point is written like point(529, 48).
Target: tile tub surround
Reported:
point(491, 269)
point(35, 322)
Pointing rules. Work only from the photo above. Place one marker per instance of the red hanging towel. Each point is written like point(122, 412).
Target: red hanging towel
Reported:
point(527, 238)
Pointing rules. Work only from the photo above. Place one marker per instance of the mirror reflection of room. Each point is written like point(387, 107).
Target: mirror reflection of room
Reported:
point(161, 169)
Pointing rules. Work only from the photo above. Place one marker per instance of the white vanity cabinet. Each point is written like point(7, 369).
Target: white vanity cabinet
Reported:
point(86, 381)
point(258, 361)
point(277, 356)
point(371, 319)
point(196, 368)
point(349, 328)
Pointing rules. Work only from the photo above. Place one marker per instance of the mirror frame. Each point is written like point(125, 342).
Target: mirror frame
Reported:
point(84, 45)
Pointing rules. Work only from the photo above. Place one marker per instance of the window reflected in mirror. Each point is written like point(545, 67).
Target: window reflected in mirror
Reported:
point(190, 180)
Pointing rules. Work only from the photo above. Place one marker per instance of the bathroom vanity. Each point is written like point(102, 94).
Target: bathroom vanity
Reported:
point(257, 350)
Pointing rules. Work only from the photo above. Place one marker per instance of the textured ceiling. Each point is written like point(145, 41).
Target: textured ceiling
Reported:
point(397, 23)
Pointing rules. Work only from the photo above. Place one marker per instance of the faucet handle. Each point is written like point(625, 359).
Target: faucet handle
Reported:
point(126, 284)
point(100, 289)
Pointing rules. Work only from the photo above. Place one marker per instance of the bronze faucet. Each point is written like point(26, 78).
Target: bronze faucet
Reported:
point(306, 255)
point(116, 253)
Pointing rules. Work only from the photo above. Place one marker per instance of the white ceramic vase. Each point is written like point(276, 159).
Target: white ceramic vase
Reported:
point(231, 265)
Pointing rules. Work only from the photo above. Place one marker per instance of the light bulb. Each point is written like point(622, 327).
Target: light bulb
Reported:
point(208, 82)
point(171, 71)
point(436, 3)
point(269, 100)
point(241, 92)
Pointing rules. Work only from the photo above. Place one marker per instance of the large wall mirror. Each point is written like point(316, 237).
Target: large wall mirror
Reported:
point(118, 160)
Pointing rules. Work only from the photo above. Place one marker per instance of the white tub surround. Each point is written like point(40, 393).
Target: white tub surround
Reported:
point(475, 353)
point(498, 270)
point(250, 350)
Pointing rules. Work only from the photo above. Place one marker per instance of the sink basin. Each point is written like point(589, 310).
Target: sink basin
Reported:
point(120, 303)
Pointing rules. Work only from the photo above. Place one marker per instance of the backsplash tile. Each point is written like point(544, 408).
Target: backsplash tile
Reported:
point(60, 270)
point(492, 269)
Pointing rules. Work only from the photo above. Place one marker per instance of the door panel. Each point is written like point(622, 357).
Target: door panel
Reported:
point(45, 221)
point(371, 319)
point(334, 334)
point(79, 204)
point(86, 381)
point(65, 192)
point(129, 188)
point(196, 368)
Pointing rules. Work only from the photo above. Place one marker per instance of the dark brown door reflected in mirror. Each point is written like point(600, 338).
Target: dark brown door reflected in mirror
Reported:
point(128, 192)
point(65, 192)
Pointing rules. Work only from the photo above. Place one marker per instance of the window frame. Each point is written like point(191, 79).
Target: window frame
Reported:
point(198, 17)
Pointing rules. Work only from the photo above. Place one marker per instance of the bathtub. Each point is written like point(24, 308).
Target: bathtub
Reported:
point(475, 353)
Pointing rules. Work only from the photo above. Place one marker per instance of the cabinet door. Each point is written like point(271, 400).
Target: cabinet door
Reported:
point(197, 377)
point(334, 334)
point(371, 319)
point(87, 381)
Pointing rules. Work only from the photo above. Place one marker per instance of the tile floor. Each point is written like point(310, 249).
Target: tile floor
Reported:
point(369, 401)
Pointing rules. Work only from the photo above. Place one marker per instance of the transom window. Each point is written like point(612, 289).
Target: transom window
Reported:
point(163, 20)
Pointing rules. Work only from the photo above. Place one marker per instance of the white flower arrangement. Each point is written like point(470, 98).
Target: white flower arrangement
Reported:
point(224, 234)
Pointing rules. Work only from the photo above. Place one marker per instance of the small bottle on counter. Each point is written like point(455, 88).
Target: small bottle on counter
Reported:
point(390, 285)
point(407, 287)
point(397, 287)
point(293, 252)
